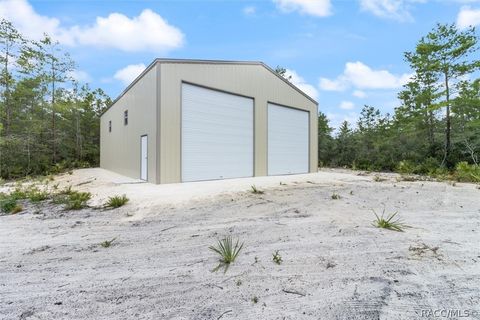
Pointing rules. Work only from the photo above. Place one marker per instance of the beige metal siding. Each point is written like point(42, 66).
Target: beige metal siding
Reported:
point(120, 149)
point(249, 80)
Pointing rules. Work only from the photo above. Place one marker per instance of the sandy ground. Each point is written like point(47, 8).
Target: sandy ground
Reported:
point(336, 265)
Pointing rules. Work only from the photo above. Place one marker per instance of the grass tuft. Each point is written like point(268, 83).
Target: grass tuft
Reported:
point(255, 190)
point(116, 201)
point(389, 222)
point(107, 243)
point(277, 258)
point(7, 204)
point(18, 208)
point(335, 196)
point(227, 250)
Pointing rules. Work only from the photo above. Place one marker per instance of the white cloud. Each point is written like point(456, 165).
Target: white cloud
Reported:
point(319, 8)
point(332, 85)
point(390, 9)
point(147, 32)
point(30, 23)
point(346, 105)
point(468, 17)
point(80, 76)
point(298, 81)
point(361, 76)
point(359, 94)
point(114, 31)
point(129, 73)
point(249, 10)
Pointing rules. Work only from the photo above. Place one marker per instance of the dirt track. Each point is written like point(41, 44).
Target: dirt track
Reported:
point(335, 264)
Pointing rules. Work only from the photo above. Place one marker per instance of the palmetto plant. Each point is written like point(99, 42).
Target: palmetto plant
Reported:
point(389, 222)
point(227, 250)
point(255, 190)
point(116, 201)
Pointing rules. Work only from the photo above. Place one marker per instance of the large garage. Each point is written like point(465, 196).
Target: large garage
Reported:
point(196, 120)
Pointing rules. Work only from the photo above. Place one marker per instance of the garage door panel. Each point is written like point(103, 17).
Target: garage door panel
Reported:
point(217, 134)
point(288, 140)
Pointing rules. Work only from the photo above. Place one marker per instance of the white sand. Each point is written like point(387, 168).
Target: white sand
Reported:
point(335, 264)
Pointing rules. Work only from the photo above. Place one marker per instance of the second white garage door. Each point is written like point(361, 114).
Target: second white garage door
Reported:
point(217, 134)
point(288, 142)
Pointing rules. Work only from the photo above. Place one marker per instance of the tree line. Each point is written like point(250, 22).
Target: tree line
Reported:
point(435, 128)
point(48, 120)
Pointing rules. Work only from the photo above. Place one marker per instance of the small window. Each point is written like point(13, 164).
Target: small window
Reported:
point(110, 126)
point(125, 117)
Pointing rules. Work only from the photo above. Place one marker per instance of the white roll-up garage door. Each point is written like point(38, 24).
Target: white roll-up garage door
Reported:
point(288, 142)
point(217, 134)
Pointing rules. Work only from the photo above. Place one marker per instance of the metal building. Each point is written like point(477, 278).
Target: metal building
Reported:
point(193, 120)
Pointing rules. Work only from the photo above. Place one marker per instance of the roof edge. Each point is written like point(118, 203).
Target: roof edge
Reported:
point(204, 61)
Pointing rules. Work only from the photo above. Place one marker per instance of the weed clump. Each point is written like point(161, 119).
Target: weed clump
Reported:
point(389, 222)
point(116, 201)
point(107, 243)
point(277, 258)
point(255, 190)
point(227, 250)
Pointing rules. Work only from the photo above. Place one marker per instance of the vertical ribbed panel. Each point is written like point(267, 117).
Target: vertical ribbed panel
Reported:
point(217, 134)
point(288, 145)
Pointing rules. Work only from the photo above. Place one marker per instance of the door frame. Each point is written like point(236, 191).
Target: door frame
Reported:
point(141, 158)
point(254, 104)
point(309, 132)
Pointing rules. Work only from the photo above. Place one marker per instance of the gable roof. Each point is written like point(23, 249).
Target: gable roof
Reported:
point(199, 61)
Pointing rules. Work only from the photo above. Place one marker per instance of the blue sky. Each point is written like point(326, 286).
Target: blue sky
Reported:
point(343, 53)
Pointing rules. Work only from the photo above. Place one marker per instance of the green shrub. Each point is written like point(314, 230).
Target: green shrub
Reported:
point(19, 193)
point(116, 201)
point(406, 167)
point(77, 200)
point(467, 172)
point(36, 195)
point(430, 166)
point(7, 204)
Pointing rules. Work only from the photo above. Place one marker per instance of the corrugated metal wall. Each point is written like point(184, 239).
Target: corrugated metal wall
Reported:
point(248, 80)
point(120, 149)
point(161, 118)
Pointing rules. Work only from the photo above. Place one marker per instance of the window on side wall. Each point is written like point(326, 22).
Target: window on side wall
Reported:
point(125, 117)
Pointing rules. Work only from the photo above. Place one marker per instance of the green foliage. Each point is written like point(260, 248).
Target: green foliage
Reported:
point(335, 196)
point(432, 129)
point(255, 190)
point(37, 195)
point(48, 122)
point(77, 200)
point(277, 258)
point(255, 299)
point(7, 204)
point(107, 243)
point(116, 201)
point(73, 200)
point(227, 250)
point(389, 222)
point(467, 172)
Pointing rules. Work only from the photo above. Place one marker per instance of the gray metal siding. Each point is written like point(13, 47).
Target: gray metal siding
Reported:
point(120, 149)
point(242, 79)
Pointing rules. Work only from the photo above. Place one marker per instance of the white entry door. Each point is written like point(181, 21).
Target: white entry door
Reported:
point(217, 134)
point(144, 157)
point(288, 140)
